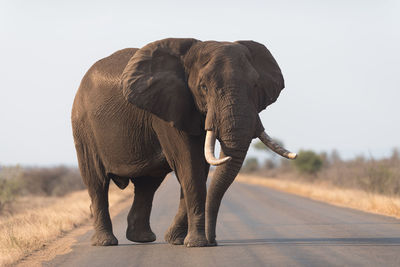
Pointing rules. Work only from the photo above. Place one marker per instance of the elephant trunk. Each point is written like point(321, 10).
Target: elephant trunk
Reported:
point(235, 142)
point(223, 177)
point(235, 132)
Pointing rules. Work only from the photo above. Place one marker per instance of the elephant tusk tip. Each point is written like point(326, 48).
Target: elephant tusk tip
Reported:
point(292, 155)
point(218, 162)
point(224, 160)
point(209, 150)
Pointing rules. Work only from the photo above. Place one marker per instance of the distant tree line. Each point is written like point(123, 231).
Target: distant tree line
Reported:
point(372, 175)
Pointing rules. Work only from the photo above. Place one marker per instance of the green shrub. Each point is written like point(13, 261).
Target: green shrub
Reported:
point(10, 184)
point(8, 191)
point(308, 162)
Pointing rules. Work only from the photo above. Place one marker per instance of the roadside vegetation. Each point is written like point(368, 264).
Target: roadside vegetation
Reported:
point(39, 205)
point(17, 182)
point(364, 183)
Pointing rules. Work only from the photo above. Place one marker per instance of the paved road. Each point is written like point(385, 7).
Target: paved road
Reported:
point(257, 226)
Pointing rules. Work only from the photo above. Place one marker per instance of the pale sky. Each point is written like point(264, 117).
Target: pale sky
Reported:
point(340, 60)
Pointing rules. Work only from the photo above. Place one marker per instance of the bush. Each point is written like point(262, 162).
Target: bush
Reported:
point(269, 164)
point(56, 181)
point(308, 162)
point(250, 165)
point(16, 181)
point(380, 179)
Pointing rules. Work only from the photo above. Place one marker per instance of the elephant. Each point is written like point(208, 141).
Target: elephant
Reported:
point(140, 114)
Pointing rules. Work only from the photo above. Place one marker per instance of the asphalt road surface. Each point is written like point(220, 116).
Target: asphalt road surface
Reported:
point(257, 226)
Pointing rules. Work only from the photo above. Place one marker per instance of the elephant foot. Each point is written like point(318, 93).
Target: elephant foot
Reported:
point(104, 239)
point(212, 243)
point(141, 236)
point(195, 240)
point(176, 235)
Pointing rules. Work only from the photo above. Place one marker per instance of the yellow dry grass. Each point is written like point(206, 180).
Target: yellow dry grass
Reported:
point(356, 199)
point(33, 228)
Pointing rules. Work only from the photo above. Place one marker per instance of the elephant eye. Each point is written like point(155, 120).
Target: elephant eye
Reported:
point(204, 88)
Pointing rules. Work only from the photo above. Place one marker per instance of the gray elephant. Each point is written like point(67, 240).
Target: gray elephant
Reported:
point(141, 113)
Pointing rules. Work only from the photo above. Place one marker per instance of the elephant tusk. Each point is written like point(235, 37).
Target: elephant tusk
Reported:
point(209, 146)
point(275, 146)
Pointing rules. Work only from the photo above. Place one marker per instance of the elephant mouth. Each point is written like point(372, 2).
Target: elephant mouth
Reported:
point(209, 148)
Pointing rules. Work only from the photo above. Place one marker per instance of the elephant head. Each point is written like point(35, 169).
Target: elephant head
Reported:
point(217, 87)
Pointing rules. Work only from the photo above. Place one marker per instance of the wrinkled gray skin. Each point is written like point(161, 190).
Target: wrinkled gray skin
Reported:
point(142, 113)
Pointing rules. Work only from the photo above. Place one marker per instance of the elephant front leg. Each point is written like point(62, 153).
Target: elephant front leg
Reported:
point(195, 196)
point(178, 230)
point(185, 155)
point(139, 229)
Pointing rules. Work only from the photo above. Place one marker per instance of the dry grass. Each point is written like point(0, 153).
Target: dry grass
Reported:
point(32, 229)
point(351, 198)
point(375, 176)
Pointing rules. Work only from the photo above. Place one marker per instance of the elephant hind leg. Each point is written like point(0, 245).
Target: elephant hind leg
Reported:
point(94, 177)
point(139, 229)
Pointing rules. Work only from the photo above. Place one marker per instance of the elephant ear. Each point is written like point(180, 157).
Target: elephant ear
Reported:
point(154, 80)
point(270, 82)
